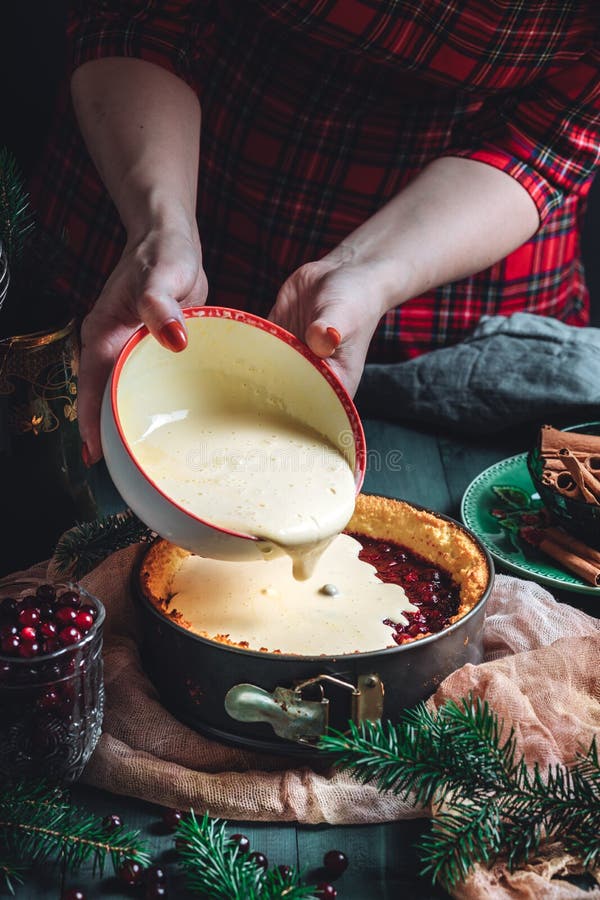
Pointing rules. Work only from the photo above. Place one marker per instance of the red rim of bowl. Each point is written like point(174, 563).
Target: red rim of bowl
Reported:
point(219, 312)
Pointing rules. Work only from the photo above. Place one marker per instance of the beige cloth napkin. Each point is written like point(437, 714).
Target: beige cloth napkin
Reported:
point(542, 676)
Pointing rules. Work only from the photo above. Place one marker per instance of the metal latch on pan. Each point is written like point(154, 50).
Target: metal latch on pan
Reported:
point(298, 719)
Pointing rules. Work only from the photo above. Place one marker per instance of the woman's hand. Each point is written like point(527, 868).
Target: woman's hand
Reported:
point(334, 306)
point(157, 274)
point(457, 217)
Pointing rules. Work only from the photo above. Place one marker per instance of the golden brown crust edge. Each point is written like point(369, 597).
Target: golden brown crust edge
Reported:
point(159, 567)
point(436, 539)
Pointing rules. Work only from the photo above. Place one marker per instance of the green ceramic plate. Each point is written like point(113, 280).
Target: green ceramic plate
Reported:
point(495, 505)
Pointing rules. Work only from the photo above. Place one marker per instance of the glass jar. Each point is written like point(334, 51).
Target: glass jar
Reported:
point(51, 706)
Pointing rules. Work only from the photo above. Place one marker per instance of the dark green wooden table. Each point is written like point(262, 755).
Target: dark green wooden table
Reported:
point(418, 465)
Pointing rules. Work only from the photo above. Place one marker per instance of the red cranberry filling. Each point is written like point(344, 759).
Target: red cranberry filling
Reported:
point(430, 589)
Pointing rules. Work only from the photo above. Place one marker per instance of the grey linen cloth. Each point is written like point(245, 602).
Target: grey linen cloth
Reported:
point(511, 370)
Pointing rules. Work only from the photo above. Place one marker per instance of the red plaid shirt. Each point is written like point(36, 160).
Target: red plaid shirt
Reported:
point(316, 113)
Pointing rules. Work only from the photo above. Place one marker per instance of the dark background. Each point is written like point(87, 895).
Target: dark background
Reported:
point(32, 57)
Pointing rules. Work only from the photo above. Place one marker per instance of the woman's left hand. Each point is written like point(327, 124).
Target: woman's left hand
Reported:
point(333, 307)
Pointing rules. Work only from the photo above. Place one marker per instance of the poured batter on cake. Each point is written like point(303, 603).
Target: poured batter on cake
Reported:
point(262, 606)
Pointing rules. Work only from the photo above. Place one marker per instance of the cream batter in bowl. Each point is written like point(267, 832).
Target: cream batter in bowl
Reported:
point(243, 446)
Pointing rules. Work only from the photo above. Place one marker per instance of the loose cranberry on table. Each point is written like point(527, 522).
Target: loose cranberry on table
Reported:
point(154, 875)
point(242, 842)
point(171, 818)
point(326, 891)
point(335, 862)
point(156, 890)
point(73, 894)
point(131, 873)
point(111, 823)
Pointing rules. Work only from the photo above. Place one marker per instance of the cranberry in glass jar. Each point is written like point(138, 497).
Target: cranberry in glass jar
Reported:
point(51, 687)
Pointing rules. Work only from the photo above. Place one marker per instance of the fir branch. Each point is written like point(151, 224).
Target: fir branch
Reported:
point(485, 798)
point(216, 868)
point(87, 544)
point(16, 219)
point(429, 754)
point(472, 731)
point(10, 875)
point(458, 838)
point(35, 792)
point(37, 824)
point(574, 817)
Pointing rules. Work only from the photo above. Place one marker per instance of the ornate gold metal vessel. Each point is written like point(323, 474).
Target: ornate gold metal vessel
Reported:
point(42, 477)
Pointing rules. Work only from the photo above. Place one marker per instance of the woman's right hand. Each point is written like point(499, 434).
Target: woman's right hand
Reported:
point(158, 273)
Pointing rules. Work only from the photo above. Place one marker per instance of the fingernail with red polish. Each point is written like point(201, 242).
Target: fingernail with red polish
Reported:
point(334, 336)
point(173, 336)
point(86, 457)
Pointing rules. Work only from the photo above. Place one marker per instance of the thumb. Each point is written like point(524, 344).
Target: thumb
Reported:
point(323, 337)
point(162, 315)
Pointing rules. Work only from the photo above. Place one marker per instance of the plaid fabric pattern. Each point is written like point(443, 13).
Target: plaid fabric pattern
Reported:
point(317, 113)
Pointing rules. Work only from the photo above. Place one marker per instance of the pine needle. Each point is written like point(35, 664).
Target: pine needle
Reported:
point(459, 837)
point(10, 876)
point(87, 544)
point(16, 219)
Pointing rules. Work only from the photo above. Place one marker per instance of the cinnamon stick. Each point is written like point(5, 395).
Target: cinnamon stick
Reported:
point(570, 543)
point(588, 570)
point(553, 464)
point(554, 454)
point(587, 483)
point(592, 464)
point(553, 439)
point(562, 482)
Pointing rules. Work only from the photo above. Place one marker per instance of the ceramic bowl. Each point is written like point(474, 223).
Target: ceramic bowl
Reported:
point(576, 516)
point(149, 382)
